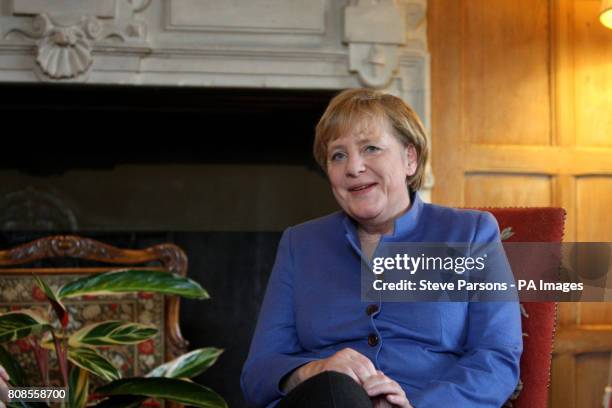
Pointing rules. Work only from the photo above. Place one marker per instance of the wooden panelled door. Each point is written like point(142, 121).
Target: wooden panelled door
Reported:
point(522, 116)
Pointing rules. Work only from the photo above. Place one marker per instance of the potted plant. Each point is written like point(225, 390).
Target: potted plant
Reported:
point(77, 353)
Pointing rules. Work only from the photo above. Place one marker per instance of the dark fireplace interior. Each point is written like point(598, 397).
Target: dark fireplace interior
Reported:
point(157, 125)
point(219, 172)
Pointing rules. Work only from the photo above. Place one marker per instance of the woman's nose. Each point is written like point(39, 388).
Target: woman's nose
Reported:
point(355, 165)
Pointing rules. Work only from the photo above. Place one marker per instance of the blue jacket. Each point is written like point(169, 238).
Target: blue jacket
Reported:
point(442, 354)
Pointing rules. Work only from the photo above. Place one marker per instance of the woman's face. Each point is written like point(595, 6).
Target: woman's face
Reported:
point(367, 169)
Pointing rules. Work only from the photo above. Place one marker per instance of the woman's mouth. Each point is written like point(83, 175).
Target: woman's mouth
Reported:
point(362, 189)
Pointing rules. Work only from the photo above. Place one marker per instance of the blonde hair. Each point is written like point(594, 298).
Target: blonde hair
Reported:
point(354, 108)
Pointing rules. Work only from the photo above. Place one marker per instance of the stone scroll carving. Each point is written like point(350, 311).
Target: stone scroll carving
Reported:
point(376, 31)
point(65, 32)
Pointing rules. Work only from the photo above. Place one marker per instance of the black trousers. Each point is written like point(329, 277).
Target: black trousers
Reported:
point(329, 389)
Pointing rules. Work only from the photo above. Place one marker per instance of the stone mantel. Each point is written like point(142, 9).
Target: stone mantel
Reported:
point(302, 44)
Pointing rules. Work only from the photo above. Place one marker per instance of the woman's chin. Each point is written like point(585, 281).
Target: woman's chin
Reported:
point(364, 214)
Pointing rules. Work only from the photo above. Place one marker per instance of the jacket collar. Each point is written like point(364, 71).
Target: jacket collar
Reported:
point(403, 226)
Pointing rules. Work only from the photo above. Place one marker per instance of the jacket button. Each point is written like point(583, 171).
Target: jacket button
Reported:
point(372, 340)
point(371, 309)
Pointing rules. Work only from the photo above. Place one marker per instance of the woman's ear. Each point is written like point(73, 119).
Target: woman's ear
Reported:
point(411, 165)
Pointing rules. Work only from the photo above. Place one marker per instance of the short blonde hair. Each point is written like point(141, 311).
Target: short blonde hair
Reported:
point(353, 108)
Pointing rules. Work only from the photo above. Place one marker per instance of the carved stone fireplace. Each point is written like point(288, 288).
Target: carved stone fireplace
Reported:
point(268, 44)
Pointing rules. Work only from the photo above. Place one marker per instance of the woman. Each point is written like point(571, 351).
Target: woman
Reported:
point(316, 342)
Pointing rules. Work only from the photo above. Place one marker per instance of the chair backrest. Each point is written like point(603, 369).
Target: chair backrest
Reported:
point(534, 225)
point(17, 290)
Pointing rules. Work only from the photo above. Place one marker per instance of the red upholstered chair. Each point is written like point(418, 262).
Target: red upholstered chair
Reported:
point(533, 225)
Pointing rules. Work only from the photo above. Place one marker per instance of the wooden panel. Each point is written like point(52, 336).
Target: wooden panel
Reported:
point(595, 312)
point(594, 202)
point(443, 26)
point(580, 365)
point(594, 224)
point(566, 314)
point(562, 73)
point(593, 75)
point(501, 190)
point(563, 393)
point(538, 159)
point(507, 93)
point(592, 370)
point(564, 196)
point(583, 339)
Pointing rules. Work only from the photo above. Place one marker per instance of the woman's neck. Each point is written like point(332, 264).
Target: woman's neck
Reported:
point(370, 233)
point(368, 243)
point(376, 228)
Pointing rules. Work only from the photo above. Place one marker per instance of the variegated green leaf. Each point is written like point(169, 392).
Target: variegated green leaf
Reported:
point(129, 280)
point(112, 332)
point(58, 307)
point(78, 384)
point(15, 325)
point(88, 359)
point(188, 365)
point(13, 369)
point(46, 340)
point(184, 392)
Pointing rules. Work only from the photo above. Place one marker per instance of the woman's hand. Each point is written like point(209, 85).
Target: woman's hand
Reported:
point(385, 392)
point(346, 361)
point(4, 379)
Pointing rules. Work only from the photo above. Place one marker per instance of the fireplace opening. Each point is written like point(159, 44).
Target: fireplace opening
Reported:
point(55, 128)
point(160, 158)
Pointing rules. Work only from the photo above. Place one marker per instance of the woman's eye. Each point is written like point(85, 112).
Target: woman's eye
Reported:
point(372, 149)
point(337, 156)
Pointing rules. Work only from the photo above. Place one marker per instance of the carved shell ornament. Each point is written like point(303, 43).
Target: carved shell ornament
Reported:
point(64, 54)
point(65, 51)
point(64, 37)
